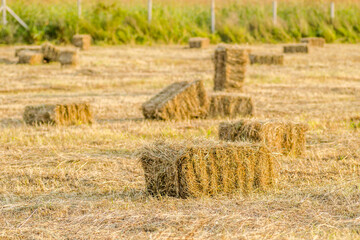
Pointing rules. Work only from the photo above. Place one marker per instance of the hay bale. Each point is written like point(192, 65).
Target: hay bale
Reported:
point(314, 41)
point(180, 100)
point(230, 67)
point(59, 114)
point(82, 41)
point(269, 59)
point(69, 57)
point(199, 42)
point(206, 168)
point(50, 52)
point(281, 136)
point(296, 48)
point(30, 57)
point(230, 105)
point(35, 49)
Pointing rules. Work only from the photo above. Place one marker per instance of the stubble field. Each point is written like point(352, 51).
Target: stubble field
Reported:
point(85, 182)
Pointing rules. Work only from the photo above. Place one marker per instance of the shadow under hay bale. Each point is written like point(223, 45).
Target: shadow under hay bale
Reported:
point(60, 114)
point(314, 41)
point(230, 67)
point(69, 57)
point(230, 105)
point(199, 42)
point(280, 136)
point(180, 100)
point(296, 48)
point(35, 49)
point(50, 52)
point(30, 57)
point(268, 59)
point(82, 41)
point(206, 168)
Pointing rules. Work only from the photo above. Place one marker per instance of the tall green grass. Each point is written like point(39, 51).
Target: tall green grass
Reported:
point(238, 23)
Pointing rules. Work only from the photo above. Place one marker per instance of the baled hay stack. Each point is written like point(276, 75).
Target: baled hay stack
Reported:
point(296, 48)
point(30, 57)
point(314, 41)
point(35, 49)
point(199, 42)
point(280, 136)
point(180, 100)
point(230, 67)
point(269, 59)
point(230, 105)
point(60, 114)
point(206, 168)
point(82, 41)
point(51, 52)
point(69, 57)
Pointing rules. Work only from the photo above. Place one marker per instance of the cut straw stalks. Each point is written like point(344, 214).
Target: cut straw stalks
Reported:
point(267, 59)
point(199, 42)
point(30, 57)
point(314, 41)
point(206, 168)
point(82, 41)
point(296, 48)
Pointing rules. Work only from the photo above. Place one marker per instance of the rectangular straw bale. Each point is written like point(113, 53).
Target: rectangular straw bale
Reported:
point(36, 49)
point(199, 42)
point(59, 114)
point(180, 100)
point(269, 59)
point(281, 136)
point(206, 168)
point(230, 105)
point(50, 52)
point(230, 67)
point(69, 57)
point(30, 57)
point(314, 41)
point(82, 41)
point(296, 48)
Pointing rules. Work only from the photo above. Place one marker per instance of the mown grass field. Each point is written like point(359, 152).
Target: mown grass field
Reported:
point(85, 182)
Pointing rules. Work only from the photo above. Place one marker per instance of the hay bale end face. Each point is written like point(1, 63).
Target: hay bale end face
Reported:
point(50, 52)
point(199, 42)
point(314, 41)
point(60, 114)
point(296, 48)
point(230, 67)
point(30, 57)
point(230, 105)
point(69, 57)
point(280, 136)
point(180, 100)
point(268, 59)
point(82, 41)
point(35, 49)
point(206, 169)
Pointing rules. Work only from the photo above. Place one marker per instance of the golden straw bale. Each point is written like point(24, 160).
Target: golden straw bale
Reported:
point(82, 41)
point(206, 168)
point(230, 105)
point(281, 136)
point(314, 41)
point(60, 114)
point(35, 49)
point(30, 57)
point(199, 42)
point(50, 52)
point(296, 48)
point(69, 57)
point(269, 59)
point(180, 100)
point(230, 67)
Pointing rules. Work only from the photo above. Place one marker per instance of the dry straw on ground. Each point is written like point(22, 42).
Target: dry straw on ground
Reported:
point(69, 57)
point(206, 168)
point(50, 52)
point(296, 48)
point(60, 114)
point(230, 67)
point(269, 59)
point(281, 136)
point(30, 57)
point(199, 42)
point(314, 41)
point(180, 100)
point(82, 41)
point(230, 105)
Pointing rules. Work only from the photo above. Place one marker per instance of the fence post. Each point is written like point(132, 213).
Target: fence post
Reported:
point(213, 16)
point(3, 8)
point(332, 10)
point(275, 12)
point(149, 11)
point(79, 8)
